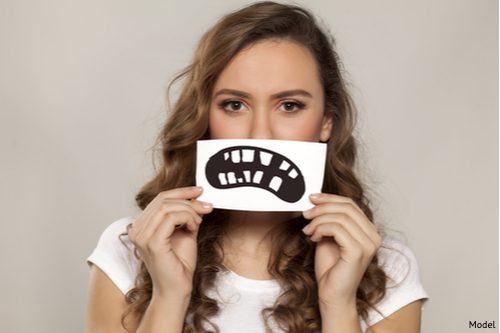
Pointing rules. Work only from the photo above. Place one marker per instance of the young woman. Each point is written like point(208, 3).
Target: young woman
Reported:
point(266, 71)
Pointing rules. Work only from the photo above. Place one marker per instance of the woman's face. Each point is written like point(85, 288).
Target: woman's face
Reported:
point(270, 90)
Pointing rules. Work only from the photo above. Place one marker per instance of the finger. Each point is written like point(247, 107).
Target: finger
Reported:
point(143, 219)
point(344, 240)
point(166, 205)
point(200, 207)
point(169, 211)
point(145, 226)
point(161, 235)
point(346, 208)
point(319, 198)
point(189, 192)
point(184, 219)
point(177, 220)
point(178, 205)
point(159, 241)
point(195, 206)
point(153, 207)
point(345, 221)
point(167, 227)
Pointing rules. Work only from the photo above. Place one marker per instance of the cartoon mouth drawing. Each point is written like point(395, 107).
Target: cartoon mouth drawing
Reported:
point(240, 166)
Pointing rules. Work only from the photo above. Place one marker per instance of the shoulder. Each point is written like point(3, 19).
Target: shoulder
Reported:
point(116, 228)
point(403, 284)
point(114, 236)
point(398, 261)
point(114, 254)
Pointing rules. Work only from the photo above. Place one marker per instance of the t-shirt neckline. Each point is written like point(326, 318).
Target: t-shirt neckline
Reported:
point(250, 284)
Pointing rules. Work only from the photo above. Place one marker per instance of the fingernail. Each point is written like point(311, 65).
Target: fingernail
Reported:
point(306, 229)
point(314, 195)
point(206, 205)
point(197, 188)
point(306, 212)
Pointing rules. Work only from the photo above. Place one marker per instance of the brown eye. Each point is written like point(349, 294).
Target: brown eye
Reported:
point(292, 106)
point(232, 106)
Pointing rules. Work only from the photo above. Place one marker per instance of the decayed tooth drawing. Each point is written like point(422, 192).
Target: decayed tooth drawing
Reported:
point(231, 178)
point(265, 158)
point(257, 177)
point(222, 179)
point(284, 165)
point(235, 156)
point(247, 155)
point(275, 183)
point(293, 173)
point(241, 166)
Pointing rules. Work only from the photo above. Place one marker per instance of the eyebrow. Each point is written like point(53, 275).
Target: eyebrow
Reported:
point(281, 94)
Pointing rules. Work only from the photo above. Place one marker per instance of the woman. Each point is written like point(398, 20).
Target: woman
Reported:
point(264, 72)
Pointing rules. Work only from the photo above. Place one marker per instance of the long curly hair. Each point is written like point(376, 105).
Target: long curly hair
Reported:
point(296, 310)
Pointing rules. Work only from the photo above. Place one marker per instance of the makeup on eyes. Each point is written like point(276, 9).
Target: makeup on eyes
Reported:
point(224, 104)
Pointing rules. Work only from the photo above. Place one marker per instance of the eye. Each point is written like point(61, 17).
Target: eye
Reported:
point(232, 106)
point(291, 106)
point(238, 106)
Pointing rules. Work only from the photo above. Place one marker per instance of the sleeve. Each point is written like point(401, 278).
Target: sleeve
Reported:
point(403, 284)
point(114, 255)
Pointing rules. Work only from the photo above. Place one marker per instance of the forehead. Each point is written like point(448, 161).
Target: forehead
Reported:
point(271, 65)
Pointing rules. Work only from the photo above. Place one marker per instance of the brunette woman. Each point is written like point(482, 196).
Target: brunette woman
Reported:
point(267, 71)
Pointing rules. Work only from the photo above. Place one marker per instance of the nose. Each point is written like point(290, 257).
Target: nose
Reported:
point(261, 125)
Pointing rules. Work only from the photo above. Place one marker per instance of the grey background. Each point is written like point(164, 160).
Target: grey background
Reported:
point(82, 87)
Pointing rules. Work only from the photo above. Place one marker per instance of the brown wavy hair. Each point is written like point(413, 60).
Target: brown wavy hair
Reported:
point(292, 256)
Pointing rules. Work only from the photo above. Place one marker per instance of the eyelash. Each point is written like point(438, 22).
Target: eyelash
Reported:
point(298, 105)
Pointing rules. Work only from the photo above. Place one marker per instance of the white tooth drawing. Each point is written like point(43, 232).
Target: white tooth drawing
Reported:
point(226, 155)
point(231, 178)
point(293, 173)
point(247, 175)
point(222, 179)
point(235, 156)
point(240, 180)
point(265, 158)
point(284, 165)
point(258, 177)
point(275, 183)
point(247, 155)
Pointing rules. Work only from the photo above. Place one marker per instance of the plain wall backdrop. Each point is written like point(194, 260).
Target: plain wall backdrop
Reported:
point(82, 98)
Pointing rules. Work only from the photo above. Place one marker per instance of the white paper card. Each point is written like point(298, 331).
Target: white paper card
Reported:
point(259, 175)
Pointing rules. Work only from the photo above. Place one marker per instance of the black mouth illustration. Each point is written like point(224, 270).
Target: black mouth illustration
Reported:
point(240, 166)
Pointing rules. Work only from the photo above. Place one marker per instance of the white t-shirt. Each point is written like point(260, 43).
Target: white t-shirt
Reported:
point(241, 299)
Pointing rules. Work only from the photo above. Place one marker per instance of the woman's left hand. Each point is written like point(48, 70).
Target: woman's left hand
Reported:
point(347, 242)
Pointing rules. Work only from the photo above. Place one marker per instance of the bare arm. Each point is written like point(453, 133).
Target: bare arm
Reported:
point(106, 304)
point(164, 315)
point(165, 235)
point(406, 319)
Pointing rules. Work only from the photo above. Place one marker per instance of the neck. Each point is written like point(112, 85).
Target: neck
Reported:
point(248, 232)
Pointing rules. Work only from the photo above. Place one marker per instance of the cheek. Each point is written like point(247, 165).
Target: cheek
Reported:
point(214, 125)
point(301, 128)
point(224, 127)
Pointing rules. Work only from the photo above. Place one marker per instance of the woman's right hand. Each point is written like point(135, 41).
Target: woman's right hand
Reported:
point(165, 236)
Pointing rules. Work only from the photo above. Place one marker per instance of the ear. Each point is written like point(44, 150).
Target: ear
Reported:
point(326, 127)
